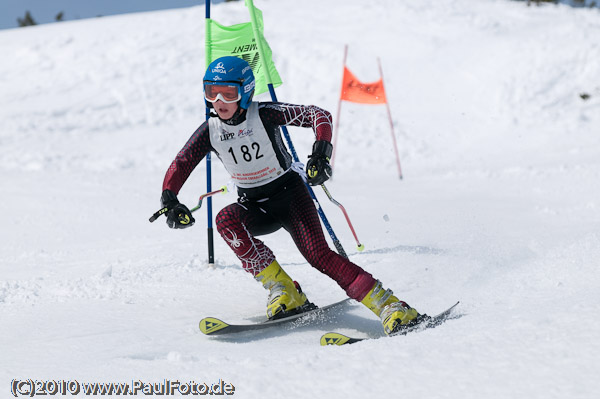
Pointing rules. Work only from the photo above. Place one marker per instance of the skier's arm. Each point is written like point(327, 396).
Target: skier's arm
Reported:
point(187, 159)
point(317, 167)
point(298, 115)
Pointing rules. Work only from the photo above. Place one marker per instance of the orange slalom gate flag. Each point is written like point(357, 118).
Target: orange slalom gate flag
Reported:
point(355, 91)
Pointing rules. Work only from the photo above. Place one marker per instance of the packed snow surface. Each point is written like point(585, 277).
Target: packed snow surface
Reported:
point(496, 111)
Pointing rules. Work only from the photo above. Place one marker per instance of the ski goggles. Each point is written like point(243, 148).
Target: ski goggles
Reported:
point(228, 93)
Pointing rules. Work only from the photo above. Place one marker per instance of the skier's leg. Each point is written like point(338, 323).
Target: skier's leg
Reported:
point(238, 224)
point(299, 217)
point(304, 226)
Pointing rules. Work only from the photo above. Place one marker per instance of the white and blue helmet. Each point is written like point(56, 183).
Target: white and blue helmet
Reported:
point(229, 70)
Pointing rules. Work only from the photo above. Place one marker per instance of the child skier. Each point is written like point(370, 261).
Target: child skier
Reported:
point(246, 137)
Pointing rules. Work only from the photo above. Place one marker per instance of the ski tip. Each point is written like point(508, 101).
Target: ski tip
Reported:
point(333, 338)
point(211, 325)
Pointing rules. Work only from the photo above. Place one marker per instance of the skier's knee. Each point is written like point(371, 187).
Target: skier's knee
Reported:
point(224, 217)
point(317, 259)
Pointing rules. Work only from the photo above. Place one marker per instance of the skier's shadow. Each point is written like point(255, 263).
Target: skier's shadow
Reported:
point(362, 326)
point(324, 323)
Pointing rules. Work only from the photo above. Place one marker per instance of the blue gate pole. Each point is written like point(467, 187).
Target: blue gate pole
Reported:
point(336, 241)
point(211, 247)
point(265, 67)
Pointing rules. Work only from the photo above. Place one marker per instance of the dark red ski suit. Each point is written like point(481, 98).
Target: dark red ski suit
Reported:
point(283, 202)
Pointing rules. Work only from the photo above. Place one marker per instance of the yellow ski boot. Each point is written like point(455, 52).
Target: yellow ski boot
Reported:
point(285, 296)
point(395, 314)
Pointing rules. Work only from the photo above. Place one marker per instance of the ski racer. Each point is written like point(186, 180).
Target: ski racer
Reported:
point(246, 137)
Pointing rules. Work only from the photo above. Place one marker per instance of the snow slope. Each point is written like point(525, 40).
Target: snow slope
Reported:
point(499, 207)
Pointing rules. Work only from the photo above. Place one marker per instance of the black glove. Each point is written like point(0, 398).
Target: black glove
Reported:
point(317, 167)
point(178, 215)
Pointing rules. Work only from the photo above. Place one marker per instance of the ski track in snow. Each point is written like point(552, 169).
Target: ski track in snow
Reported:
point(499, 207)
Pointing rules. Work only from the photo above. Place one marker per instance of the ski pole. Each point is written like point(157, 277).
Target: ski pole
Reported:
point(360, 246)
point(334, 238)
point(164, 210)
point(221, 190)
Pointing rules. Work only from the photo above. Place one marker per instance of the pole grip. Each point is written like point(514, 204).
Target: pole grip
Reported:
point(158, 213)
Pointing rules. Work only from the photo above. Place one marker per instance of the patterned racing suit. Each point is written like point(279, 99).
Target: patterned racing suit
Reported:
point(271, 194)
